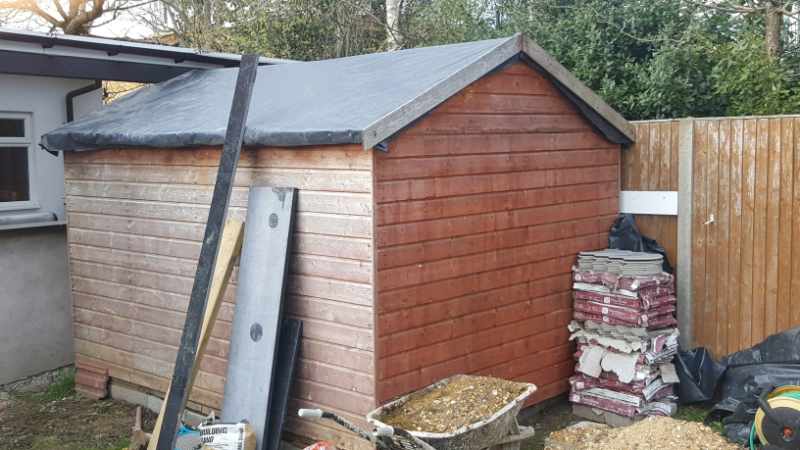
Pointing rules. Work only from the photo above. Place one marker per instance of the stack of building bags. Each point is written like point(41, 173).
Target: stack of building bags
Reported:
point(626, 333)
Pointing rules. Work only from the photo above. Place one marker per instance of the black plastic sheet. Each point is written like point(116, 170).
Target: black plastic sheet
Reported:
point(625, 235)
point(770, 364)
point(698, 374)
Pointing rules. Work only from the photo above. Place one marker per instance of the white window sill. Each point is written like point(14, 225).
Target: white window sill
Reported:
point(18, 206)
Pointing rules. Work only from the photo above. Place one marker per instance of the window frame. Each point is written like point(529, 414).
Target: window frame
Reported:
point(26, 141)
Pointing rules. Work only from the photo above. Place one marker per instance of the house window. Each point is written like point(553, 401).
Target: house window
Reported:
point(15, 161)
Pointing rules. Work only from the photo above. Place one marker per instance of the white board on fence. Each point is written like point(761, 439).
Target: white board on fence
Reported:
point(657, 203)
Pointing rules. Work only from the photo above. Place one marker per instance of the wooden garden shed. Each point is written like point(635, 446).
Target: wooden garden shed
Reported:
point(444, 193)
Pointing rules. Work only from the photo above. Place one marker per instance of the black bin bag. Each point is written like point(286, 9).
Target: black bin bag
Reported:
point(773, 363)
point(698, 374)
point(625, 235)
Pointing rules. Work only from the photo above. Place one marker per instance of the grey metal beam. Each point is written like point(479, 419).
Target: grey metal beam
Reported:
point(685, 236)
point(263, 270)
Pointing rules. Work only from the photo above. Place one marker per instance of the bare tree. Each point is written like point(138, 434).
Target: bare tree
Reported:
point(67, 16)
point(394, 37)
point(771, 12)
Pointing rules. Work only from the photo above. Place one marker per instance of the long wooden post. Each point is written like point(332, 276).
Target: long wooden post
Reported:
point(228, 253)
point(178, 392)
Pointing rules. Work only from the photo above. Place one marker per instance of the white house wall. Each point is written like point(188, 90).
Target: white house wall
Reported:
point(35, 303)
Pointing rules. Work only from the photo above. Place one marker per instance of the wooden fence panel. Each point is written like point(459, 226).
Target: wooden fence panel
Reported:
point(746, 262)
point(651, 164)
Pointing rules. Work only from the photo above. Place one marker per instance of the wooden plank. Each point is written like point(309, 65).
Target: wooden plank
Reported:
point(448, 166)
point(773, 227)
point(760, 231)
point(746, 339)
point(323, 157)
point(312, 179)
point(308, 201)
point(735, 237)
point(723, 226)
point(699, 295)
point(496, 123)
point(784, 238)
point(436, 208)
point(406, 146)
point(630, 160)
point(451, 247)
point(712, 206)
point(229, 249)
point(506, 103)
point(390, 235)
point(795, 283)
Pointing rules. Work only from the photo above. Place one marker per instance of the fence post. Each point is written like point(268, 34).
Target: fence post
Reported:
point(685, 237)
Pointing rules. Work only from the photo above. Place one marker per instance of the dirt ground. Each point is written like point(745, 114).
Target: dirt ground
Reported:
point(552, 418)
point(53, 420)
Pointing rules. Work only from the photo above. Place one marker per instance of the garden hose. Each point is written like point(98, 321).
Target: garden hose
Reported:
point(784, 404)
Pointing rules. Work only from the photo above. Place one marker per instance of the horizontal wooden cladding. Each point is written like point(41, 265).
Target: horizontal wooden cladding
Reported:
point(312, 179)
point(651, 164)
point(438, 146)
point(467, 102)
point(451, 247)
point(516, 79)
point(483, 319)
point(302, 244)
point(144, 370)
point(455, 246)
point(333, 157)
point(307, 201)
point(327, 224)
point(405, 320)
point(498, 124)
point(431, 271)
point(431, 188)
point(446, 166)
point(406, 233)
point(136, 220)
point(513, 343)
point(305, 222)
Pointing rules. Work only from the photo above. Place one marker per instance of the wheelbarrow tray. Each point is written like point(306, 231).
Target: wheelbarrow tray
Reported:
point(476, 436)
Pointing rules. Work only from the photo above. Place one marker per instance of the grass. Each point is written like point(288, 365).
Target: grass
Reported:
point(125, 443)
point(697, 413)
point(63, 388)
point(53, 444)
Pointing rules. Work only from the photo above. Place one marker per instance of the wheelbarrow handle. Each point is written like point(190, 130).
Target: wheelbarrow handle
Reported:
point(320, 414)
point(387, 430)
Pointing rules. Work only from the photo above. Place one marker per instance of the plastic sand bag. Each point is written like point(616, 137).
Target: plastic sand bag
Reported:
point(228, 436)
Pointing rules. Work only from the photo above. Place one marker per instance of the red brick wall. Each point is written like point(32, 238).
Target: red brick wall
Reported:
point(481, 208)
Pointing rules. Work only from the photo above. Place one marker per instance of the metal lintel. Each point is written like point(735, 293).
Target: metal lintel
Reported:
point(178, 394)
point(288, 349)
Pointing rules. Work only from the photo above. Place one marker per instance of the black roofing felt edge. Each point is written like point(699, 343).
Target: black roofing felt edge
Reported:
point(605, 118)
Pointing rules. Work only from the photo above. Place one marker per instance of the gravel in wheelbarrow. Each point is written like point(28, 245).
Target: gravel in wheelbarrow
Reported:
point(458, 413)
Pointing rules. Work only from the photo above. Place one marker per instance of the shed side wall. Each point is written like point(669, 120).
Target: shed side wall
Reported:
point(136, 220)
point(480, 210)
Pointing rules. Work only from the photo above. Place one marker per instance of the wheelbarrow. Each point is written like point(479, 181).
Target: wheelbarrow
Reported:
point(499, 432)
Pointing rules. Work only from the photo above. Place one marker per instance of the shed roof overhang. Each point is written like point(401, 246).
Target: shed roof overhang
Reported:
point(30, 53)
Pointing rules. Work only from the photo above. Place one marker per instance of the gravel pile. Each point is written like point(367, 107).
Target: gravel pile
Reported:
point(652, 433)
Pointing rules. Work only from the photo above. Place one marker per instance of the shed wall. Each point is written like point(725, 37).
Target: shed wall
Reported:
point(481, 208)
point(136, 220)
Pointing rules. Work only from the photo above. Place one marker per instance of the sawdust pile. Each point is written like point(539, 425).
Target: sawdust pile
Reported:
point(653, 433)
point(455, 405)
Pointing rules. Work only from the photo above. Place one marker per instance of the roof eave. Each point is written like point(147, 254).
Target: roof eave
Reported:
point(406, 114)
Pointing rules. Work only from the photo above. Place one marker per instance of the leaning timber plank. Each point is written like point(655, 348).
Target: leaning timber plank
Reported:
point(176, 400)
point(257, 313)
point(229, 250)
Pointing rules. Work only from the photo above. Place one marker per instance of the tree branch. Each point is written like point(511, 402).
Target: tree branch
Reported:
point(731, 9)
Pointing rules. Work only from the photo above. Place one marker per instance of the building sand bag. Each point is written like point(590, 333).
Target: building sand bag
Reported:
point(652, 433)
